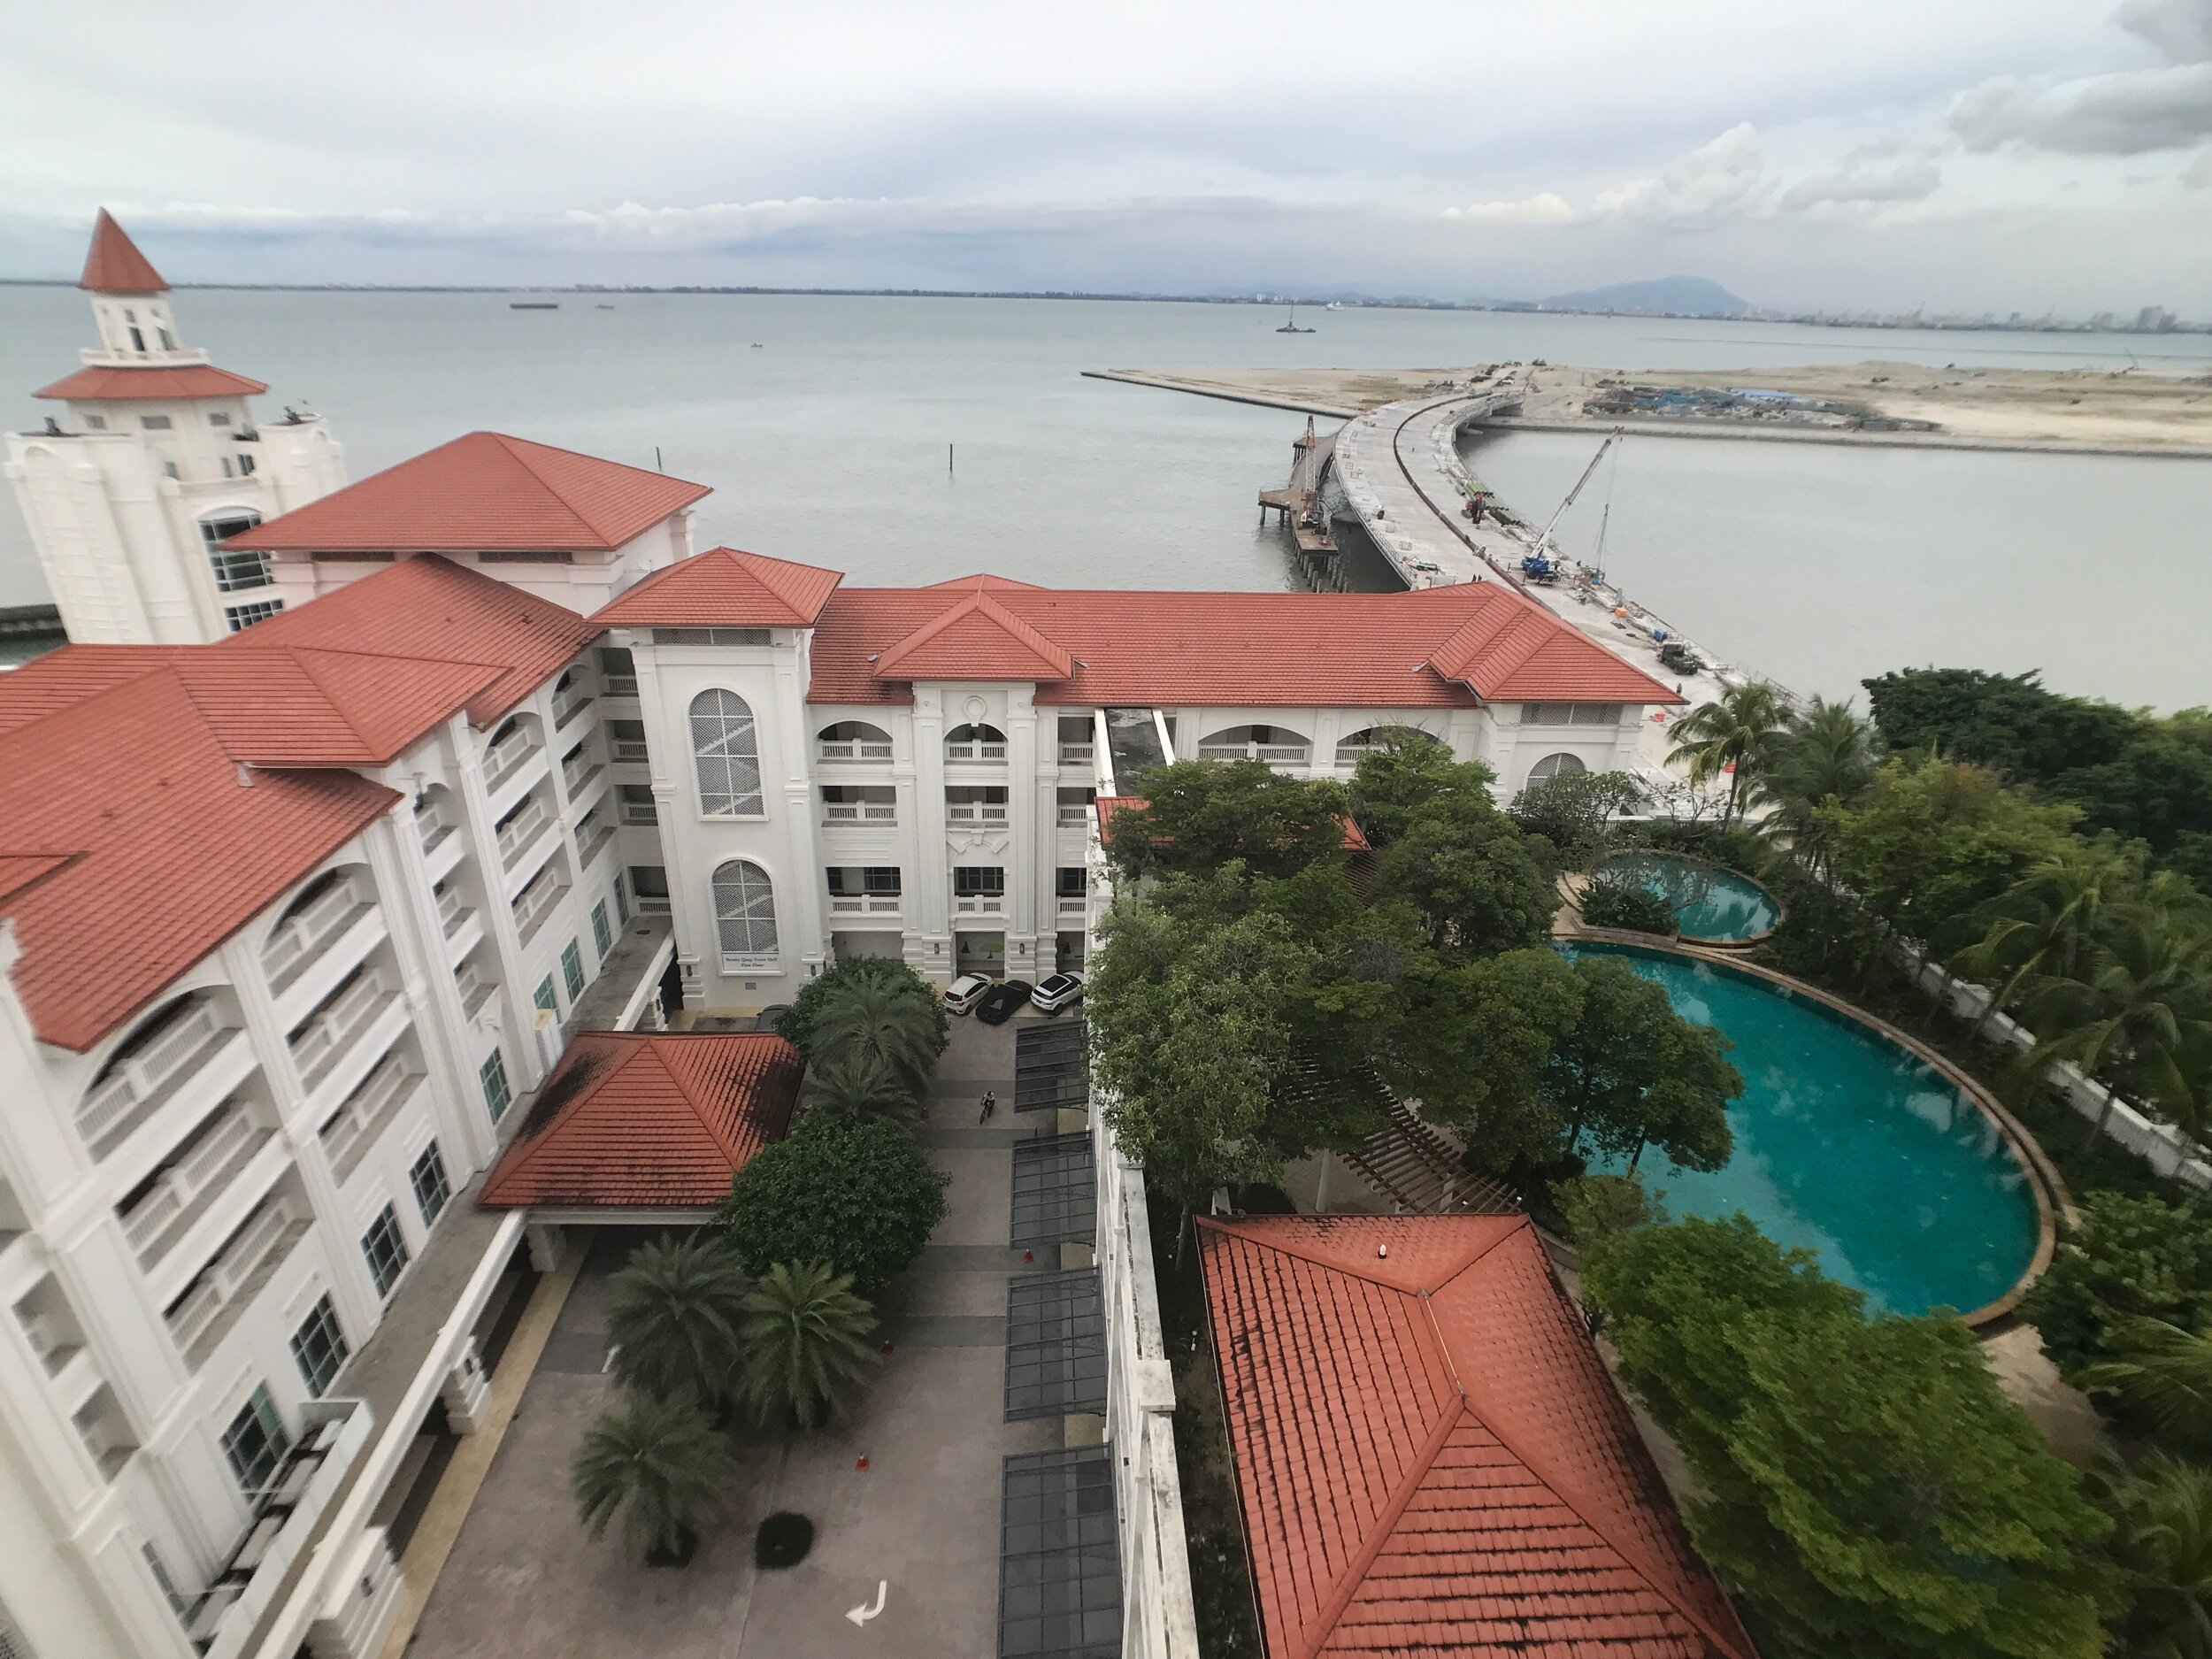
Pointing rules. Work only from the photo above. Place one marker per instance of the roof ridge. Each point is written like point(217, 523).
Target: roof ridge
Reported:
point(299, 655)
point(1355, 1573)
point(1314, 1258)
point(683, 1086)
point(207, 721)
point(523, 1153)
point(507, 441)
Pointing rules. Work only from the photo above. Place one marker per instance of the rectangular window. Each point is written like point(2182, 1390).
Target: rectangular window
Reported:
point(218, 418)
point(97, 423)
point(970, 881)
point(649, 882)
point(622, 902)
point(155, 423)
point(155, 1566)
point(242, 616)
point(637, 803)
point(627, 739)
point(1571, 714)
point(601, 935)
point(712, 636)
point(1076, 728)
point(229, 471)
point(572, 970)
point(524, 556)
point(498, 1095)
point(543, 996)
point(427, 1177)
point(1072, 881)
point(237, 571)
point(386, 1250)
point(256, 1443)
point(318, 1347)
point(245, 466)
point(875, 881)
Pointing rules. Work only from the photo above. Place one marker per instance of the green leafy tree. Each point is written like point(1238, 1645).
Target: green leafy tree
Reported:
point(2047, 924)
point(839, 976)
point(1574, 811)
point(1443, 849)
point(1869, 1488)
point(2163, 1376)
point(2161, 1549)
point(2011, 724)
point(859, 1195)
point(673, 1315)
point(1200, 815)
point(1475, 1053)
point(1828, 751)
point(1634, 1073)
point(1609, 902)
point(806, 1343)
point(1731, 738)
point(659, 1466)
point(2129, 1258)
point(1596, 1209)
point(855, 1084)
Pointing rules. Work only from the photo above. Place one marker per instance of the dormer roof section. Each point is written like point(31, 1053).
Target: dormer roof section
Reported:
point(977, 639)
point(725, 588)
point(113, 263)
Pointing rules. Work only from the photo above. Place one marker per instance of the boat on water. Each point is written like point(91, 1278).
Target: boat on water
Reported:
point(1292, 328)
point(534, 305)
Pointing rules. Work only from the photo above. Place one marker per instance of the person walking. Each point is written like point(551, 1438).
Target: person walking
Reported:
point(990, 1105)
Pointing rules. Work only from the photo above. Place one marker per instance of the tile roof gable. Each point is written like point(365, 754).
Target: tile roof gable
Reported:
point(724, 587)
point(976, 639)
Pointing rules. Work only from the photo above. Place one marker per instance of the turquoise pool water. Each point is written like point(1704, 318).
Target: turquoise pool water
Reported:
point(1708, 901)
point(1848, 1144)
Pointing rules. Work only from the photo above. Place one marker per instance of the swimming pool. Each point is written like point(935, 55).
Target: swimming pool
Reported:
point(1710, 902)
point(1850, 1146)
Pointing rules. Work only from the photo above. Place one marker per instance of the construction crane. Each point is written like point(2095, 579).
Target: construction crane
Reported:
point(1543, 542)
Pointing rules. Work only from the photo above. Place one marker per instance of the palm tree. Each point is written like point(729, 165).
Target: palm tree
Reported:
point(855, 1084)
point(2047, 925)
point(892, 1024)
point(673, 1314)
point(1734, 735)
point(661, 1466)
point(806, 1342)
point(2163, 1374)
point(1827, 752)
point(2137, 1016)
point(2161, 1542)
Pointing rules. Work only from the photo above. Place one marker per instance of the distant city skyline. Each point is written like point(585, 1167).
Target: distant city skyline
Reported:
point(1985, 157)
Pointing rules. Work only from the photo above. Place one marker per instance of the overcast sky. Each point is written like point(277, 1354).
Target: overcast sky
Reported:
point(1966, 154)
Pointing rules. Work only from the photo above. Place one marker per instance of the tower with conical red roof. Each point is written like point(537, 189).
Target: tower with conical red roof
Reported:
point(131, 498)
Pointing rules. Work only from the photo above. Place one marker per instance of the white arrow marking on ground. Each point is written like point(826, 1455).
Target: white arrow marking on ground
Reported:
point(862, 1614)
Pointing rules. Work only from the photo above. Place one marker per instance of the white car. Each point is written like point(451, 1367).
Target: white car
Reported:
point(964, 992)
point(1055, 991)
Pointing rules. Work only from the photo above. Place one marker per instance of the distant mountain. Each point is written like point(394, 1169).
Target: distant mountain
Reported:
point(1674, 296)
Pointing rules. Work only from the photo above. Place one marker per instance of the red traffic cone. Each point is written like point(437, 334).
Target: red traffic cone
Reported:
point(861, 1463)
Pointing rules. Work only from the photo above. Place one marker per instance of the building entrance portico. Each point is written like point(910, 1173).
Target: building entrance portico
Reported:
point(980, 953)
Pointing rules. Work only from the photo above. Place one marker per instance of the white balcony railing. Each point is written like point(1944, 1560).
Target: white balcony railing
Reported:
point(568, 704)
point(979, 904)
point(517, 833)
point(975, 812)
point(186, 1180)
point(152, 1071)
point(852, 748)
point(1074, 818)
point(975, 751)
point(845, 812)
point(452, 914)
point(628, 748)
point(1273, 754)
point(581, 776)
point(1073, 903)
point(652, 905)
point(343, 1137)
point(619, 685)
point(503, 759)
point(538, 902)
point(301, 937)
point(639, 812)
point(433, 822)
point(592, 838)
point(864, 904)
point(1078, 753)
point(231, 1274)
point(319, 1043)
point(475, 987)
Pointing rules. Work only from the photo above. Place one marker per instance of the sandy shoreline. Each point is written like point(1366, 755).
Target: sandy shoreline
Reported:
point(2093, 412)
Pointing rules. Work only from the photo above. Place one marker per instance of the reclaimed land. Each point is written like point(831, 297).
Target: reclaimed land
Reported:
point(2089, 411)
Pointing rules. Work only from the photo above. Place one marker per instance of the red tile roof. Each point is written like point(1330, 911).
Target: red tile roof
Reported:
point(484, 490)
point(113, 265)
point(1432, 647)
point(724, 587)
point(648, 1120)
point(1430, 1456)
point(134, 843)
point(444, 615)
point(118, 386)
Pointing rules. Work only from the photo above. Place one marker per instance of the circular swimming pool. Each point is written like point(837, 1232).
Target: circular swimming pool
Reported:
point(1849, 1145)
point(1710, 903)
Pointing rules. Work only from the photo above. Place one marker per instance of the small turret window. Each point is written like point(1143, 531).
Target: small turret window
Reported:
point(238, 569)
point(218, 418)
point(154, 422)
point(168, 340)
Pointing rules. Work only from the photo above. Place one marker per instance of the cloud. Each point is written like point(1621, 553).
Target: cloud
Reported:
point(1546, 207)
point(1857, 182)
point(2182, 29)
point(2129, 114)
point(1716, 182)
point(2198, 176)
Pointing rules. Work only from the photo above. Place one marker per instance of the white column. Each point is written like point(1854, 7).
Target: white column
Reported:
point(1029, 883)
point(467, 1391)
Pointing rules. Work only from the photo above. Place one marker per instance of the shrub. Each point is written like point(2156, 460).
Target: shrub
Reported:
point(673, 1313)
point(1607, 902)
point(658, 1464)
point(782, 1540)
point(806, 1343)
point(798, 1024)
point(2130, 1259)
point(860, 1195)
point(1597, 1208)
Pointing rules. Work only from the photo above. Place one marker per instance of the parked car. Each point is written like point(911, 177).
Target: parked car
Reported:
point(771, 1017)
point(964, 992)
point(1002, 1001)
point(1056, 991)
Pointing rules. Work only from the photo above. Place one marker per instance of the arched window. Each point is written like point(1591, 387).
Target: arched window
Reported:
point(1559, 765)
point(853, 740)
point(745, 914)
point(723, 745)
point(233, 570)
point(975, 742)
point(1277, 745)
point(1348, 749)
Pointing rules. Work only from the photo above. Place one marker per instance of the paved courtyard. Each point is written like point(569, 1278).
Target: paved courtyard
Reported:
point(523, 1581)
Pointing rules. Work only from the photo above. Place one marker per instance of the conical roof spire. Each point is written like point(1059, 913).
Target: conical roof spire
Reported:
point(114, 265)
